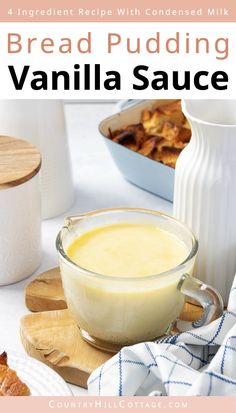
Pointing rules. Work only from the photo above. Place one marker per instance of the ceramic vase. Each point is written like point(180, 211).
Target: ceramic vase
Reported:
point(205, 195)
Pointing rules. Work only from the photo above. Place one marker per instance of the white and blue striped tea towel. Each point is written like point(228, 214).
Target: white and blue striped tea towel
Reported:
point(200, 362)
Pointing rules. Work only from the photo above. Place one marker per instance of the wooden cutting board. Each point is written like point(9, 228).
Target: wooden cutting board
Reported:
point(51, 335)
point(45, 292)
point(53, 338)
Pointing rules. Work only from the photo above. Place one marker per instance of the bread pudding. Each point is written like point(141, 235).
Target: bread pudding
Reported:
point(161, 134)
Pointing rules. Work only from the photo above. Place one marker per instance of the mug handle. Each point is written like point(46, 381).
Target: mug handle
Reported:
point(209, 299)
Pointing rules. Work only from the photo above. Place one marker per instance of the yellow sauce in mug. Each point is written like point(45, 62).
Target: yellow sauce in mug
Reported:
point(127, 250)
point(119, 310)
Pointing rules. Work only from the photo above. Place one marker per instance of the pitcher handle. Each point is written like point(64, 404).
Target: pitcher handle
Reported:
point(209, 299)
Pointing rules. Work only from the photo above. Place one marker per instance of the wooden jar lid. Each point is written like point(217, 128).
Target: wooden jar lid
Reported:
point(19, 161)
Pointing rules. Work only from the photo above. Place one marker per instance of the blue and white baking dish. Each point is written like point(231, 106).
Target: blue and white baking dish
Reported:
point(144, 172)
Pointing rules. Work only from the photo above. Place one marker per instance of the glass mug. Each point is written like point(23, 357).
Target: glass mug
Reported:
point(111, 311)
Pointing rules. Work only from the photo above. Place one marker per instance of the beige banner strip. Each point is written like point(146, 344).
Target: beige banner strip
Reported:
point(117, 404)
point(118, 11)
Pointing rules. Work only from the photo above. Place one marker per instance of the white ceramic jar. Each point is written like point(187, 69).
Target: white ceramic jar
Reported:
point(205, 182)
point(42, 122)
point(20, 210)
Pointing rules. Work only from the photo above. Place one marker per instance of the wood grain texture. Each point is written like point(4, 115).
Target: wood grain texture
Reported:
point(53, 338)
point(45, 292)
point(19, 161)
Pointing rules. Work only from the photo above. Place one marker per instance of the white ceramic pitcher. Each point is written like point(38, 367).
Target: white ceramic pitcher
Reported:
point(205, 189)
point(42, 123)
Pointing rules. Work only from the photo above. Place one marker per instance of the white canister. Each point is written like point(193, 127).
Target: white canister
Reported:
point(20, 210)
point(42, 122)
point(204, 196)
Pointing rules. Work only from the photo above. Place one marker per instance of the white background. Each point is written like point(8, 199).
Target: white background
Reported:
point(119, 60)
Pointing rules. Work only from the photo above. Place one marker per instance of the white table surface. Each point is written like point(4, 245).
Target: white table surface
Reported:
point(98, 184)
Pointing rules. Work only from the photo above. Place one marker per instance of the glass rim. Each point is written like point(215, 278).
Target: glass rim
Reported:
point(92, 274)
